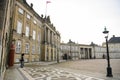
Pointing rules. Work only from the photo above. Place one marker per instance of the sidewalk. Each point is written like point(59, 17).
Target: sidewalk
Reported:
point(13, 73)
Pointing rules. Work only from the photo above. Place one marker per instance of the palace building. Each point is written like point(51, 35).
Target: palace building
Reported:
point(26, 32)
point(23, 31)
point(75, 51)
point(33, 35)
point(50, 42)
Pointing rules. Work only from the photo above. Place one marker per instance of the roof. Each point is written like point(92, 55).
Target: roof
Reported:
point(114, 40)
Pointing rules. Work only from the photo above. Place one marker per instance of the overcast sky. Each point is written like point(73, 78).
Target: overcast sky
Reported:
point(82, 21)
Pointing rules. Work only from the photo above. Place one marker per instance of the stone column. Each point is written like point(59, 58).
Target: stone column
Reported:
point(83, 55)
point(24, 25)
point(88, 53)
point(48, 36)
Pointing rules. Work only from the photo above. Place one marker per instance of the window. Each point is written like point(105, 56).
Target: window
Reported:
point(27, 48)
point(34, 34)
point(28, 16)
point(19, 27)
point(27, 31)
point(33, 49)
point(39, 37)
point(17, 60)
point(20, 10)
point(26, 60)
point(33, 59)
point(18, 46)
point(34, 22)
point(38, 49)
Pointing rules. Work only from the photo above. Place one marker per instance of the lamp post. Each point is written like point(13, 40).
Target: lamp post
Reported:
point(109, 69)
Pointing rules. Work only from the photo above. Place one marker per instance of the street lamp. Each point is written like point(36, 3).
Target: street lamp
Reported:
point(109, 69)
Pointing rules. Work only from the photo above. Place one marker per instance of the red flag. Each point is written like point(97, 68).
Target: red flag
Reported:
point(48, 2)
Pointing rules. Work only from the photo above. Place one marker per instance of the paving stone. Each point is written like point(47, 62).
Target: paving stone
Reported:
point(51, 73)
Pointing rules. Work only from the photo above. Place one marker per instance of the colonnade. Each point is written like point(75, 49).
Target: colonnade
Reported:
point(51, 43)
point(86, 53)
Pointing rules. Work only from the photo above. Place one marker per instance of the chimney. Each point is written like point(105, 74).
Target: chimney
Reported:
point(31, 5)
point(113, 35)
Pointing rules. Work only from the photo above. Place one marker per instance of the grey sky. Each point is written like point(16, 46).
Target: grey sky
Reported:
point(82, 20)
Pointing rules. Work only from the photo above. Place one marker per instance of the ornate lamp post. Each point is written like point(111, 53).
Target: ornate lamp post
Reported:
point(109, 69)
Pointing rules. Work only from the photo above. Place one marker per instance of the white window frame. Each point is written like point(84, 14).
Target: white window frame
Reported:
point(34, 34)
point(28, 16)
point(39, 37)
point(38, 49)
point(20, 11)
point(33, 49)
point(18, 46)
point(17, 60)
point(19, 27)
point(27, 48)
point(34, 22)
point(27, 31)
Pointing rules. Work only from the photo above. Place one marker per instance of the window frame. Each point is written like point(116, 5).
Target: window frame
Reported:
point(19, 27)
point(28, 16)
point(20, 10)
point(27, 31)
point(27, 46)
point(18, 46)
point(33, 49)
point(34, 34)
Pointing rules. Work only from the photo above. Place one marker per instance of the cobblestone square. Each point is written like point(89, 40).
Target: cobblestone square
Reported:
point(72, 70)
point(51, 73)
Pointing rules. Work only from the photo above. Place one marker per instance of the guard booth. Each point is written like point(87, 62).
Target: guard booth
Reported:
point(11, 55)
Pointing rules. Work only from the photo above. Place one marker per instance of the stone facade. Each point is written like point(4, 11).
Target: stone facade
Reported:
point(33, 35)
point(114, 47)
point(26, 32)
point(23, 31)
point(51, 42)
point(5, 24)
point(72, 50)
point(99, 51)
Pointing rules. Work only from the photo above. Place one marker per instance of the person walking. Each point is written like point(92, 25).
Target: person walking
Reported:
point(22, 61)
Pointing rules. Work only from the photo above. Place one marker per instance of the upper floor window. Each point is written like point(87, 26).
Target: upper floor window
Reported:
point(28, 16)
point(20, 10)
point(18, 46)
point(19, 27)
point(27, 31)
point(34, 34)
point(39, 37)
point(34, 22)
point(27, 48)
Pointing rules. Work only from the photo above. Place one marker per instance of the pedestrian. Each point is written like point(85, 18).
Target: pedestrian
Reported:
point(103, 56)
point(22, 60)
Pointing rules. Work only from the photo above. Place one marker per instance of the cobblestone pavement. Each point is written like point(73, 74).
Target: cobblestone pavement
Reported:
point(51, 73)
point(94, 69)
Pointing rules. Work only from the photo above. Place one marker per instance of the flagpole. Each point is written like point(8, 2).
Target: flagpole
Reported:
point(46, 7)
point(46, 10)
